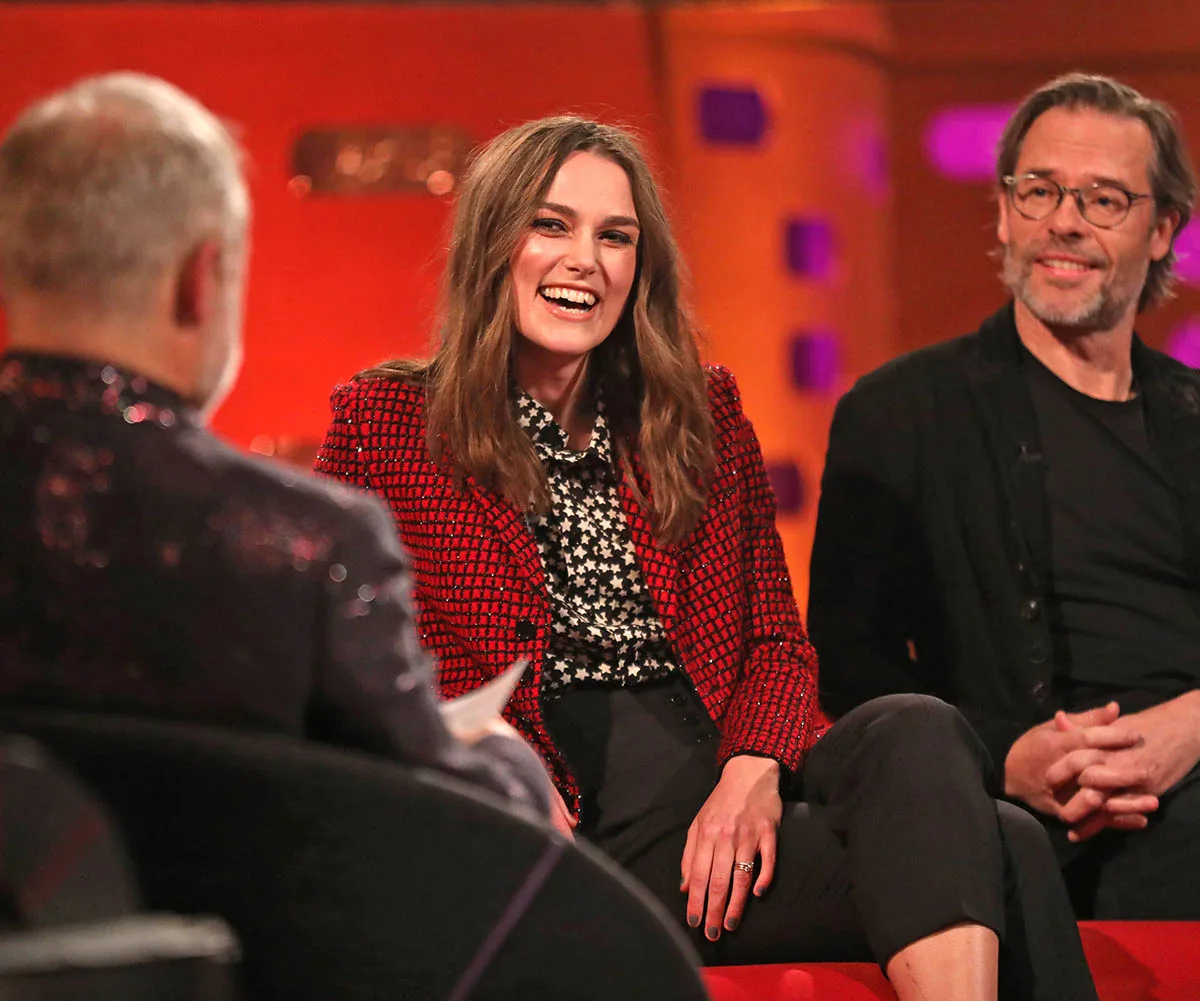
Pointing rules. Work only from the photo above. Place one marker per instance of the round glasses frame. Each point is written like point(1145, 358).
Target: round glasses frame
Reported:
point(1080, 195)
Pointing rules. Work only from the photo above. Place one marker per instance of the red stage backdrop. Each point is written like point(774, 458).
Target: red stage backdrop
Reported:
point(339, 283)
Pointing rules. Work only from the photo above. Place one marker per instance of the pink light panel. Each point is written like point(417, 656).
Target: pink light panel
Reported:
point(960, 142)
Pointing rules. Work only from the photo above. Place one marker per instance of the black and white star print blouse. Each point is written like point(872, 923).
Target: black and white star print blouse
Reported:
point(604, 627)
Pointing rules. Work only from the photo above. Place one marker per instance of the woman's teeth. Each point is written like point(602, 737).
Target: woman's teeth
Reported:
point(569, 295)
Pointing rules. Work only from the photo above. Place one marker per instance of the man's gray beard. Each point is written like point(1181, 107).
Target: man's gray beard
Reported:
point(1099, 312)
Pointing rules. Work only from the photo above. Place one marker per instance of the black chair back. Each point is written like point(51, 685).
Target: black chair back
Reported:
point(352, 878)
point(68, 931)
point(62, 860)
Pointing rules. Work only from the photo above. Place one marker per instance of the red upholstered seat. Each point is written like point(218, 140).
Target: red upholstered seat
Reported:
point(1131, 961)
point(1144, 960)
point(798, 982)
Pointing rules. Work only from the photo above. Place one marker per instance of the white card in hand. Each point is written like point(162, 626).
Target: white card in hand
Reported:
point(470, 713)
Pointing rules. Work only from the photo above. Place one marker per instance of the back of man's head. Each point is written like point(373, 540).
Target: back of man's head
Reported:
point(106, 186)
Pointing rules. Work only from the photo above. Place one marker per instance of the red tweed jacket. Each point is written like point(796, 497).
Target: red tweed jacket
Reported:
point(724, 594)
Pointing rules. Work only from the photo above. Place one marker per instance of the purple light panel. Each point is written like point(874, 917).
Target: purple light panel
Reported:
point(788, 486)
point(960, 142)
point(809, 247)
point(1187, 248)
point(814, 360)
point(731, 116)
point(1183, 344)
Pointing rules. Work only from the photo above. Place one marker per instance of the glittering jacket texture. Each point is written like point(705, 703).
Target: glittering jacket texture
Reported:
point(148, 569)
point(724, 594)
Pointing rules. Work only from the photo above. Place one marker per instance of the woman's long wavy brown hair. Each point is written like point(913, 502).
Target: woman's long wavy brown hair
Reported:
point(647, 371)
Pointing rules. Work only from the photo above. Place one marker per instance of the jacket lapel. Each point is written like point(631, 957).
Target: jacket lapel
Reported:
point(993, 371)
point(1172, 408)
point(509, 524)
point(1172, 414)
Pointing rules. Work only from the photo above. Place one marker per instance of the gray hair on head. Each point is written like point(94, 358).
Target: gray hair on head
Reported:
point(108, 185)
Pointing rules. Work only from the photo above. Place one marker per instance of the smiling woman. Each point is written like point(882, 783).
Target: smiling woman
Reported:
point(577, 489)
point(571, 275)
point(567, 207)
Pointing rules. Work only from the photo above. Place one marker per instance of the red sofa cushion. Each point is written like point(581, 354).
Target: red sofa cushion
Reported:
point(1131, 961)
point(798, 982)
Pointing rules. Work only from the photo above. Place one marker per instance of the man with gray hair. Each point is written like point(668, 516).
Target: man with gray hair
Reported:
point(1011, 520)
point(146, 568)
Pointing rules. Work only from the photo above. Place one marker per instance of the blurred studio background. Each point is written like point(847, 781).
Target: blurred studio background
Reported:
point(828, 167)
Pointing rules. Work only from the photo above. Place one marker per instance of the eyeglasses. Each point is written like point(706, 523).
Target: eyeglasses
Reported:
point(1037, 197)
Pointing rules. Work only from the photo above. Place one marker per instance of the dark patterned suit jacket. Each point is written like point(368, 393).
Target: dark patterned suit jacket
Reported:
point(724, 594)
point(148, 569)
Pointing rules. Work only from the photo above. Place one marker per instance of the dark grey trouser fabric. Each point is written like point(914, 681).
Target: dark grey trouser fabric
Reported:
point(1148, 875)
point(893, 836)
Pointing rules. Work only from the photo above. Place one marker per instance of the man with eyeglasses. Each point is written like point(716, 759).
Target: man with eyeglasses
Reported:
point(1011, 520)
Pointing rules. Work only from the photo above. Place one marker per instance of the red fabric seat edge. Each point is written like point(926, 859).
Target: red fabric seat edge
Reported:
point(1130, 960)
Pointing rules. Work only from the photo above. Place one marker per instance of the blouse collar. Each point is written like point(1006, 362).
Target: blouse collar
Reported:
point(552, 443)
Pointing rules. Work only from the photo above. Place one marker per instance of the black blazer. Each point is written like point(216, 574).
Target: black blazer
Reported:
point(932, 545)
point(148, 569)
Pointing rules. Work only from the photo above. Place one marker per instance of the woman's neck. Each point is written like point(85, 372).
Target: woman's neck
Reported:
point(558, 388)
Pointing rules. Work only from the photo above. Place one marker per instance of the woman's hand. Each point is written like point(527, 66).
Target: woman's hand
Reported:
point(560, 817)
point(736, 824)
point(563, 819)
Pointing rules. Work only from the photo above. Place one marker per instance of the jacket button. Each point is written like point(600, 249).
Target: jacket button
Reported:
point(1031, 609)
point(1038, 692)
point(525, 630)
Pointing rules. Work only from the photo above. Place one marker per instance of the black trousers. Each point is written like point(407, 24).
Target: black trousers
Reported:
point(1147, 875)
point(894, 836)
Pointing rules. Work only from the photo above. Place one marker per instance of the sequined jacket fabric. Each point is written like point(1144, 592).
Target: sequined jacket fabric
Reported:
point(723, 595)
point(146, 568)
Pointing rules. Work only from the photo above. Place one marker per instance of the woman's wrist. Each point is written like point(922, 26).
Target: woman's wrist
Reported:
point(748, 763)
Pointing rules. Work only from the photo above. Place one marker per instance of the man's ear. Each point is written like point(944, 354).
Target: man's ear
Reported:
point(1002, 220)
point(196, 285)
point(1166, 225)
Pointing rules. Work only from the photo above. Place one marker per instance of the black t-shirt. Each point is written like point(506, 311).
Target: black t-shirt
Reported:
point(1121, 600)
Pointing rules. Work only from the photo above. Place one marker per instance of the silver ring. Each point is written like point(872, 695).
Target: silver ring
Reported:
point(744, 866)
